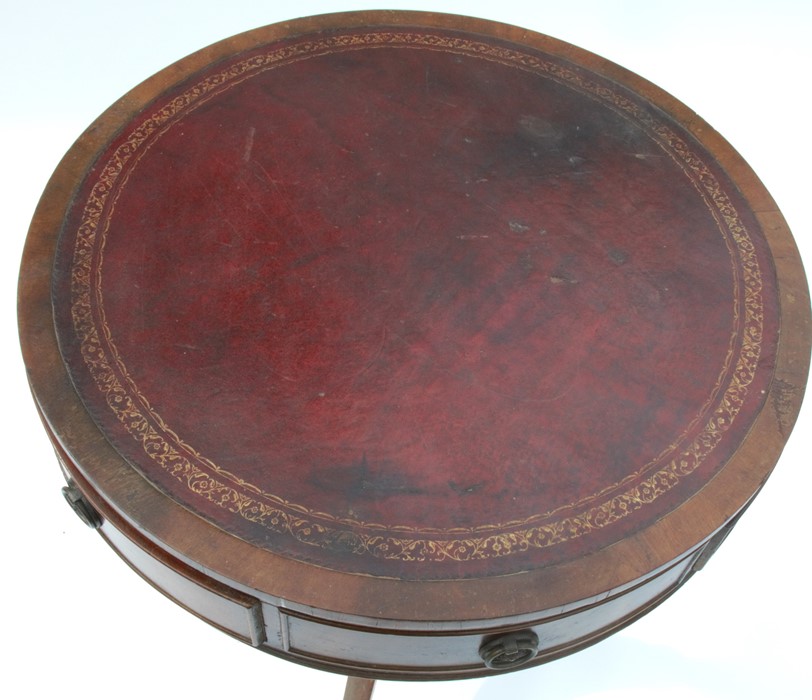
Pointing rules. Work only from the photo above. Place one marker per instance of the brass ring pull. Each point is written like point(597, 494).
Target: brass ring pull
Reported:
point(86, 512)
point(510, 650)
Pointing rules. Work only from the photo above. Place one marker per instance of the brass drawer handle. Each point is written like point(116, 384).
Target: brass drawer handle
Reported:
point(510, 650)
point(86, 512)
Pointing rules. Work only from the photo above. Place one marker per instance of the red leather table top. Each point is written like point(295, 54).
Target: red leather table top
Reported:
point(416, 303)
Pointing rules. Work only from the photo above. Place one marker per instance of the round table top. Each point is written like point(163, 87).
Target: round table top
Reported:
point(421, 298)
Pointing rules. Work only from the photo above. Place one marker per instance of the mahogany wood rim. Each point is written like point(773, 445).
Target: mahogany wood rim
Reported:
point(251, 569)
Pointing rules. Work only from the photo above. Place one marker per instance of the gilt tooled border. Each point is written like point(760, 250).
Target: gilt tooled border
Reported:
point(182, 462)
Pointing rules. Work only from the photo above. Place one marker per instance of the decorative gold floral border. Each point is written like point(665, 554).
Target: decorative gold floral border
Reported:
point(407, 544)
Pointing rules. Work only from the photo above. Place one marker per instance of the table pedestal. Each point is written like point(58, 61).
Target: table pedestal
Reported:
point(358, 688)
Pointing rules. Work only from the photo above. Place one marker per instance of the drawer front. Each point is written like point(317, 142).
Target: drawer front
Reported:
point(399, 653)
point(229, 610)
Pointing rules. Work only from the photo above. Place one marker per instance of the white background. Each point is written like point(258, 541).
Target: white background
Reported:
point(77, 620)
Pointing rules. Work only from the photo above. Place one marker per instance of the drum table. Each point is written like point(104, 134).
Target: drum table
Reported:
point(411, 346)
